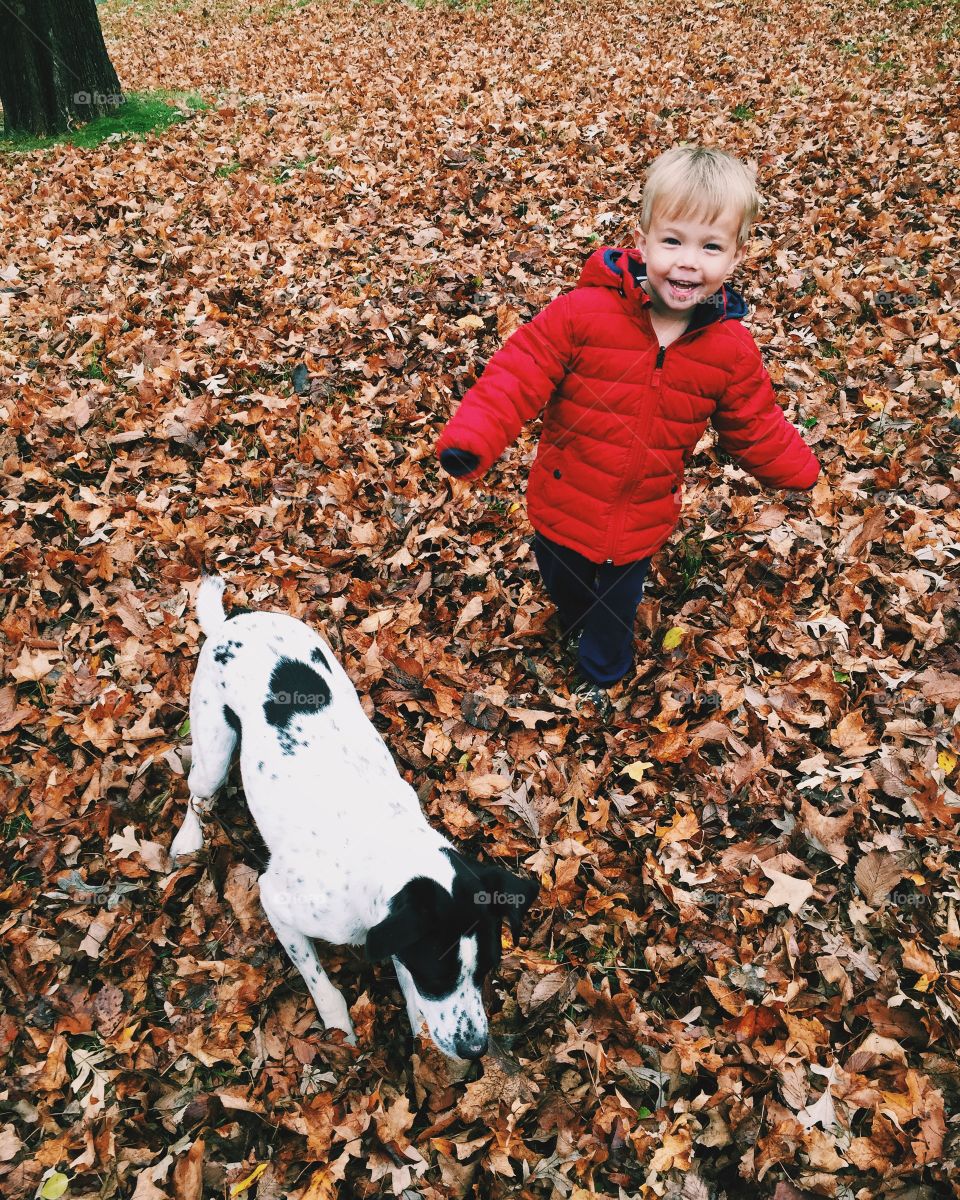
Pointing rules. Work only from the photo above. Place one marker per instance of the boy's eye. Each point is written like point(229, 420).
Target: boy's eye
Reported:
point(712, 246)
point(671, 240)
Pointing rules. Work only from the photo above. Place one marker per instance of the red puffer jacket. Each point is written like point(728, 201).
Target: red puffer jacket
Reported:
point(623, 414)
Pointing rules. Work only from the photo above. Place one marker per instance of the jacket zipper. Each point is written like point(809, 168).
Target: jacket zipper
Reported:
point(639, 445)
point(655, 381)
point(655, 386)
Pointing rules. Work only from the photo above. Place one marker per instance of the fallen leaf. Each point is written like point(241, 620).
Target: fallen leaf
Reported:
point(786, 890)
point(876, 875)
point(673, 637)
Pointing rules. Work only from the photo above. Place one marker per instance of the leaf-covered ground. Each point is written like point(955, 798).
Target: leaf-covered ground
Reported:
point(234, 344)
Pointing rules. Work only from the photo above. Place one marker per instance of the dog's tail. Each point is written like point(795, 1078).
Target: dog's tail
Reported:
point(210, 612)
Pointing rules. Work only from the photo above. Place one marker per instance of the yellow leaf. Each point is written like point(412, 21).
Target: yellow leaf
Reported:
point(682, 828)
point(636, 770)
point(53, 1186)
point(924, 983)
point(251, 1179)
point(874, 403)
point(471, 321)
point(673, 637)
point(946, 761)
point(322, 1186)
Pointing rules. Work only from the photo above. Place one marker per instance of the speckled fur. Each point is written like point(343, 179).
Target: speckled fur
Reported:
point(345, 832)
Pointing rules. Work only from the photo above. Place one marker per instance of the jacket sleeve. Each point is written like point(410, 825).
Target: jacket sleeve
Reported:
point(516, 384)
point(752, 428)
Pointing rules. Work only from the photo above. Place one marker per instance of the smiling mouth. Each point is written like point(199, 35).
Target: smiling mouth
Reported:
point(682, 285)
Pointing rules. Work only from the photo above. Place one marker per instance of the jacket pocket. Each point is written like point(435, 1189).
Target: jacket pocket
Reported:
point(550, 461)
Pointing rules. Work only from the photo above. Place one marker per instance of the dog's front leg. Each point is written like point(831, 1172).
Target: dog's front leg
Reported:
point(189, 839)
point(409, 996)
point(330, 1003)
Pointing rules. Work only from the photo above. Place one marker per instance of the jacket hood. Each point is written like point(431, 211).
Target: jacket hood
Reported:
point(624, 270)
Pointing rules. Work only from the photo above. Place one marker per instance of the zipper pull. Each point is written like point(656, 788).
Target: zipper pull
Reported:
point(655, 378)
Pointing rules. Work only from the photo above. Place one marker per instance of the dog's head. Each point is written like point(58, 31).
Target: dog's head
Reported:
point(446, 942)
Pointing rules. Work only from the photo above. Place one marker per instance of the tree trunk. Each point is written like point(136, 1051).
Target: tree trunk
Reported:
point(54, 68)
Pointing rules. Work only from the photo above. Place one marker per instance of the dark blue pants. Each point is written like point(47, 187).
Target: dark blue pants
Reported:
point(597, 599)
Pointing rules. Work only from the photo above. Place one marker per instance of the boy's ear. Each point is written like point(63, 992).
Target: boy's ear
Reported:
point(640, 241)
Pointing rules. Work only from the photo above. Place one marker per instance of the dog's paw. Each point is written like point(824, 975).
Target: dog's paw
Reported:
point(187, 841)
point(345, 1025)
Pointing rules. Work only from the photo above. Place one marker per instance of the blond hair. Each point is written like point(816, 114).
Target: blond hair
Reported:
point(700, 183)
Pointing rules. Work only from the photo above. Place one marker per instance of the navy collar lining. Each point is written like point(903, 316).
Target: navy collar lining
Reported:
point(724, 304)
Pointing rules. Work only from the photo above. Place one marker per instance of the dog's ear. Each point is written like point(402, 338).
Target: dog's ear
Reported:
point(396, 931)
point(404, 923)
point(510, 896)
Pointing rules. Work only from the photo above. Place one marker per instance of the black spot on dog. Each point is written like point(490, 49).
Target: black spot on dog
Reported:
point(259, 766)
point(318, 656)
point(231, 719)
point(295, 688)
point(223, 655)
point(240, 611)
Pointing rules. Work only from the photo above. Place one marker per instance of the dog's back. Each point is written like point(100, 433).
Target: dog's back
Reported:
point(304, 737)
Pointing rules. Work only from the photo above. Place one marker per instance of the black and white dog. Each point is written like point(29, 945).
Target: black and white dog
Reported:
point(352, 858)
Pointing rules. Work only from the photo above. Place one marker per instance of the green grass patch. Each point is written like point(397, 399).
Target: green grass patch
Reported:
point(690, 560)
point(276, 12)
point(13, 826)
point(476, 5)
point(139, 115)
point(300, 165)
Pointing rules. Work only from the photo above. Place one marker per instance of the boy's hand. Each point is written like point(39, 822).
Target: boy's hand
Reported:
point(458, 462)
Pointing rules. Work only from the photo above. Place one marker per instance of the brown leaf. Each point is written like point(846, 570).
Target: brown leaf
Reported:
point(188, 1173)
point(829, 832)
point(243, 895)
point(480, 712)
point(852, 737)
point(876, 875)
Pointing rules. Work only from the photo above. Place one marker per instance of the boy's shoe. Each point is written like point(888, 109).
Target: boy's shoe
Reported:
point(594, 694)
point(569, 642)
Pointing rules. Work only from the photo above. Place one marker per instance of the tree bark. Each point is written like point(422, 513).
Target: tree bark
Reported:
point(54, 68)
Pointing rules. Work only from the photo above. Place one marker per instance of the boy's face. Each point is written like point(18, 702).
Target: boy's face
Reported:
point(685, 251)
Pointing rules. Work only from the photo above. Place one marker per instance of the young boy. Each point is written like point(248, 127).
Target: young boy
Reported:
point(632, 365)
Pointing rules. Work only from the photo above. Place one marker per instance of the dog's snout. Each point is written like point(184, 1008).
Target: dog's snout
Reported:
point(474, 1046)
